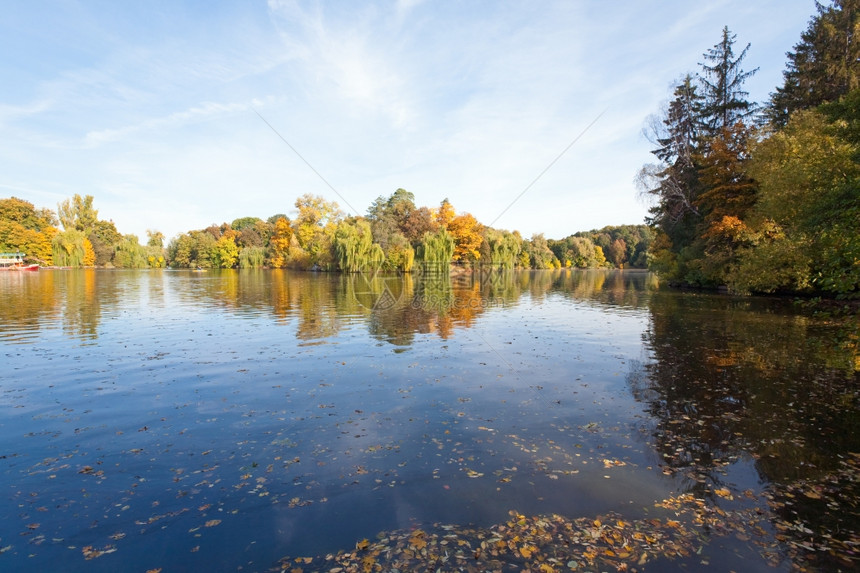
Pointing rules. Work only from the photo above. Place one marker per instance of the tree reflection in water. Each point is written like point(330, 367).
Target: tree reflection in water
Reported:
point(739, 379)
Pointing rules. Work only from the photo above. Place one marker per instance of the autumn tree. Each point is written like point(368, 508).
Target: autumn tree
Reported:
point(72, 248)
point(279, 244)
point(616, 252)
point(23, 228)
point(468, 236)
point(225, 253)
point(419, 222)
point(315, 226)
point(703, 146)
point(444, 214)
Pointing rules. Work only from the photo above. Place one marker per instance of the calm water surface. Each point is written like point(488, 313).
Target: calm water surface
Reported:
point(225, 420)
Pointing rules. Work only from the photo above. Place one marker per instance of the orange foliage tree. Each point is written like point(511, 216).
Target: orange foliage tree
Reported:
point(468, 235)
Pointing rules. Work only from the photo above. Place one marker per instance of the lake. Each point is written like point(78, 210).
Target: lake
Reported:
point(172, 420)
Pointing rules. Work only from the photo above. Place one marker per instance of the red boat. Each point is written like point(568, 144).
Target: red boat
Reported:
point(15, 262)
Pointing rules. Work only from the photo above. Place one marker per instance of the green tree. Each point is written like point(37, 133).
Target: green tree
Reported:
point(725, 100)
point(673, 183)
point(130, 254)
point(824, 65)
point(104, 238)
point(354, 247)
point(437, 250)
point(252, 257)
point(400, 255)
point(244, 223)
point(78, 213)
point(805, 226)
point(192, 249)
point(389, 216)
point(154, 238)
point(504, 246)
point(540, 255)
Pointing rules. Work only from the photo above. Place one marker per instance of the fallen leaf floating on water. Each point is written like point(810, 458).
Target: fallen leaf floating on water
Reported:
point(91, 553)
point(542, 543)
point(723, 492)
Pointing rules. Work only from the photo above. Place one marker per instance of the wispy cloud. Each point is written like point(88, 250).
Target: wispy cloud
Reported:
point(164, 124)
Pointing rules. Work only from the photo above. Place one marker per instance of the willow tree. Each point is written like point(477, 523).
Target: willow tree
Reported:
point(437, 249)
point(72, 248)
point(252, 257)
point(130, 254)
point(505, 247)
point(354, 247)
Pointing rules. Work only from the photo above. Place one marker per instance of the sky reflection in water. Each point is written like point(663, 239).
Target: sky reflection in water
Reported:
point(189, 420)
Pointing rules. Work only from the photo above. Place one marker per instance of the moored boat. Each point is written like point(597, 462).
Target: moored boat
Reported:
point(15, 262)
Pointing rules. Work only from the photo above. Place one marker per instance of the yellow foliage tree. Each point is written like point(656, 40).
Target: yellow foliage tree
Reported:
point(444, 214)
point(89, 254)
point(468, 235)
point(279, 244)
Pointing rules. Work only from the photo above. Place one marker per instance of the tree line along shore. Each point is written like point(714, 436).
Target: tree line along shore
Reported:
point(752, 197)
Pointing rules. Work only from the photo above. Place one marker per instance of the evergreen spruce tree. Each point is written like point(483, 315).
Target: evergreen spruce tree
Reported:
point(824, 65)
point(722, 80)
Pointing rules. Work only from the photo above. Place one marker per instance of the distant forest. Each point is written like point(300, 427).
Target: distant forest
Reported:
point(393, 235)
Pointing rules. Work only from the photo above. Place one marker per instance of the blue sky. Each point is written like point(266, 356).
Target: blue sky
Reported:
point(150, 106)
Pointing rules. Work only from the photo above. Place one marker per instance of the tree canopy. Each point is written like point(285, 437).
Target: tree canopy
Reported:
point(766, 203)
